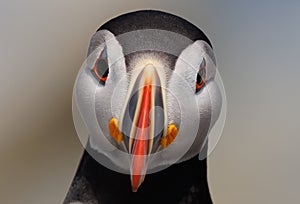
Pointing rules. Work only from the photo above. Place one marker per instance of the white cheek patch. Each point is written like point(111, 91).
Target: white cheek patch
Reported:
point(116, 60)
point(209, 99)
point(84, 97)
point(183, 111)
point(190, 59)
point(187, 65)
point(218, 102)
point(91, 99)
point(210, 59)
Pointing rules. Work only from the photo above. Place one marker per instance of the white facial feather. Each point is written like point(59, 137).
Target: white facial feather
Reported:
point(93, 99)
point(208, 99)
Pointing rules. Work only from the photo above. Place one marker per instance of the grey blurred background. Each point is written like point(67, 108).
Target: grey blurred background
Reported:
point(42, 46)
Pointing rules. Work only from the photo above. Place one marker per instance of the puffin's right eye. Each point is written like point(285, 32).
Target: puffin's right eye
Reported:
point(201, 76)
point(100, 69)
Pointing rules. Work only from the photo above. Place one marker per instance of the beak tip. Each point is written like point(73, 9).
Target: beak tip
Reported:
point(135, 186)
point(136, 182)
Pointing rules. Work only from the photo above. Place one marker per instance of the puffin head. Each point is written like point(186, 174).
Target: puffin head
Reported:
point(147, 93)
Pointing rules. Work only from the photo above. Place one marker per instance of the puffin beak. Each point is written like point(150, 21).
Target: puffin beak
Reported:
point(143, 125)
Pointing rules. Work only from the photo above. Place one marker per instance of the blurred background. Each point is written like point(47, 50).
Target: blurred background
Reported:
point(43, 44)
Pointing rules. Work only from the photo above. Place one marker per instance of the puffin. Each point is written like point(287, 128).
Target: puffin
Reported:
point(148, 97)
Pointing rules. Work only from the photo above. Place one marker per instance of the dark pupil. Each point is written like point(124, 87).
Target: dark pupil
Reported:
point(102, 67)
point(199, 76)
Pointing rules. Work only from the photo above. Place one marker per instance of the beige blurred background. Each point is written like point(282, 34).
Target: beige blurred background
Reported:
point(42, 46)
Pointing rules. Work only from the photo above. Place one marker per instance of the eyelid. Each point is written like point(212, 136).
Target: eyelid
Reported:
point(101, 67)
point(201, 75)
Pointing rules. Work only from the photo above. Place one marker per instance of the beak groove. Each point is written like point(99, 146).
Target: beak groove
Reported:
point(146, 122)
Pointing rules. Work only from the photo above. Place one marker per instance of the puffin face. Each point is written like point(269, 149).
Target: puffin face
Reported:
point(147, 107)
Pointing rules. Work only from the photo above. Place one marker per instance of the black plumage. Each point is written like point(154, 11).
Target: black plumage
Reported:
point(183, 183)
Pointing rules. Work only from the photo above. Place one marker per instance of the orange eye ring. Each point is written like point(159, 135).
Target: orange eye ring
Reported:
point(101, 78)
point(199, 86)
point(201, 76)
point(101, 68)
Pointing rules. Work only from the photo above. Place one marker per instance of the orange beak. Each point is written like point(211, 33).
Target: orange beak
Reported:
point(147, 124)
point(142, 138)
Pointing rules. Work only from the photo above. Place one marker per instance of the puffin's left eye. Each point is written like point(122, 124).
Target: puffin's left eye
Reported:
point(100, 69)
point(201, 76)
